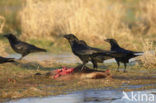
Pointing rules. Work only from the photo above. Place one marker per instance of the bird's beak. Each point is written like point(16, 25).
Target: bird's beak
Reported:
point(65, 36)
point(106, 40)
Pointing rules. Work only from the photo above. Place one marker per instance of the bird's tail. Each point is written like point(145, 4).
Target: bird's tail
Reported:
point(10, 60)
point(138, 53)
point(41, 50)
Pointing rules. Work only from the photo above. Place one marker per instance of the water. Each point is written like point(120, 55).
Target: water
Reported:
point(94, 96)
point(65, 58)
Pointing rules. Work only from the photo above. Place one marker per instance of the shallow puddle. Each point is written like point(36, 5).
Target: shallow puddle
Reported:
point(97, 96)
point(65, 58)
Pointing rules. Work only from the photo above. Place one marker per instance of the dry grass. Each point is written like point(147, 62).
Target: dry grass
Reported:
point(94, 20)
point(147, 14)
point(2, 23)
point(2, 45)
point(2, 51)
point(91, 19)
point(146, 19)
point(149, 57)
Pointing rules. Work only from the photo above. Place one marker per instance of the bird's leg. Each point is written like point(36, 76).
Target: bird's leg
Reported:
point(118, 66)
point(94, 64)
point(23, 55)
point(83, 66)
point(125, 65)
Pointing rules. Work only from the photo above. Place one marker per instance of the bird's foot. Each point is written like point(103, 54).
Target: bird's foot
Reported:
point(82, 68)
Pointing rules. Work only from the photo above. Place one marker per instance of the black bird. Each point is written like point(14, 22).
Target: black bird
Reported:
point(21, 47)
point(127, 54)
point(85, 52)
point(5, 60)
point(98, 57)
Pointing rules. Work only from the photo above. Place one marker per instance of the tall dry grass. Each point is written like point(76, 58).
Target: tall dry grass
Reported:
point(2, 23)
point(91, 19)
point(2, 45)
point(149, 57)
point(147, 13)
point(2, 51)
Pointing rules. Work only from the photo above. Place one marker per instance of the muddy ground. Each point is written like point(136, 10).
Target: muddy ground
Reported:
point(18, 80)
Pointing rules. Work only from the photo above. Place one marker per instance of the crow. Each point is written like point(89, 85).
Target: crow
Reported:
point(5, 60)
point(127, 54)
point(21, 47)
point(97, 57)
point(87, 53)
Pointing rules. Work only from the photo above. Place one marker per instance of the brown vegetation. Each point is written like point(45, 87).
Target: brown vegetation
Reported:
point(84, 18)
point(147, 14)
point(149, 57)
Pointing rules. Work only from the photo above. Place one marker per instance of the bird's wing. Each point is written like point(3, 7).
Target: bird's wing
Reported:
point(25, 46)
point(110, 54)
point(21, 46)
point(128, 53)
point(84, 49)
point(88, 51)
point(98, 52)
point(122, 50)
point(107, 53)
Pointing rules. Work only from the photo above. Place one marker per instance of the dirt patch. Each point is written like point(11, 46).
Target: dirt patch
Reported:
point(26, 81)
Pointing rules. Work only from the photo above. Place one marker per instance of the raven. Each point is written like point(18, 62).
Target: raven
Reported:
point(87, 53)
point(127, 54)
point(97, 57)
point(5, 60)
point(21, 47)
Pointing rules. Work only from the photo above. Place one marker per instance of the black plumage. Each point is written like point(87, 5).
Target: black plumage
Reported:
point(98, 57)
point(87, 53)
point(21, 47)
point(127, 54)
point(6, 60)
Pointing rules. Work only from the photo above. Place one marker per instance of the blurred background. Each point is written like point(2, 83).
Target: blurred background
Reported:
point(43, 22)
